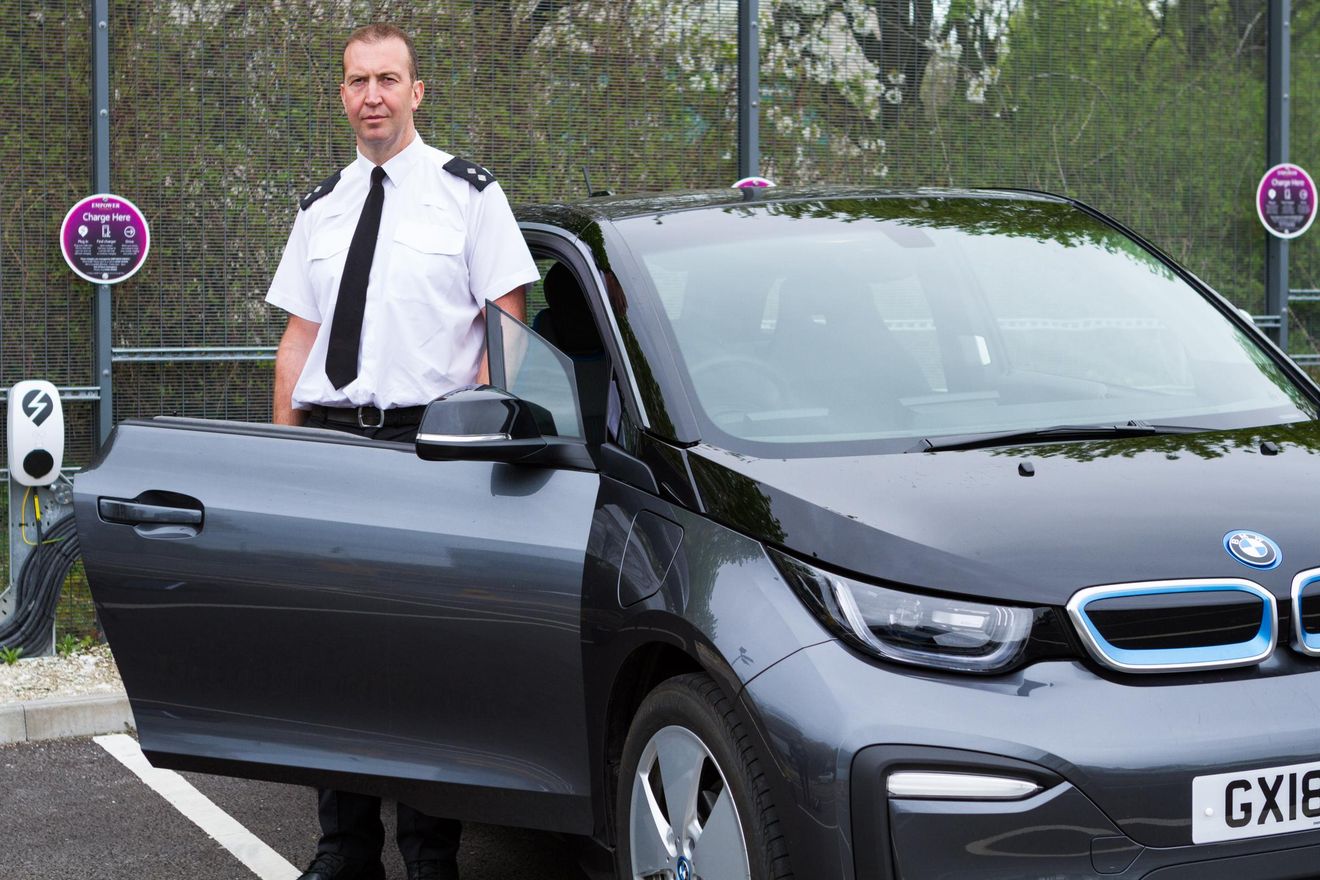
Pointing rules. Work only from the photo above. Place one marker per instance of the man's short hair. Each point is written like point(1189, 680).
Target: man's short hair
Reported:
point(379, 32)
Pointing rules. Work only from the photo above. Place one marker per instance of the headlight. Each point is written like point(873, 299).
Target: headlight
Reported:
point(955, 634)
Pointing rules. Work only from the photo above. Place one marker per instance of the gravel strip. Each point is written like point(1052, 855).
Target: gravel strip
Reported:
point(39, 678)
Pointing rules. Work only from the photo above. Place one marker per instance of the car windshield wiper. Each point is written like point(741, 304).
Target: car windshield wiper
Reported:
point(1133, 428)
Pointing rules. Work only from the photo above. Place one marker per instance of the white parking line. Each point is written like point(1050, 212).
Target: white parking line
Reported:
point(200, 810)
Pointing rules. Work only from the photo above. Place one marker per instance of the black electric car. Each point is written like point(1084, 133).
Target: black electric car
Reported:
point(828, 534)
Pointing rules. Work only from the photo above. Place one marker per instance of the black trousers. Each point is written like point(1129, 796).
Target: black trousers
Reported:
point(350, 822)
point(351, 827)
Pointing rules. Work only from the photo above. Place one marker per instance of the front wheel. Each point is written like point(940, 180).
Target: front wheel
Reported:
point(692, 800)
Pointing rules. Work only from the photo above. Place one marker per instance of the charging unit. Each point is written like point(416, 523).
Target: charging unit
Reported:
point(39, 494)
point(34, 433)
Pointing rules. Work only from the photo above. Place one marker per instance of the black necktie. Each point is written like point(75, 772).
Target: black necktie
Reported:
point(341, 358)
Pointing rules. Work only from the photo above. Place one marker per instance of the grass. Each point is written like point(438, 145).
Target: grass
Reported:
point(69, 644)
point(76, 614)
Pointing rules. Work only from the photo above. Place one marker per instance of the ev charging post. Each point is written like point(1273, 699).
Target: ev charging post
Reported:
point(39, 494)
point(35, 433)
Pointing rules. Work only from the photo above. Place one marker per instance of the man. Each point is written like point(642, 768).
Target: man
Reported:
point(385, 277)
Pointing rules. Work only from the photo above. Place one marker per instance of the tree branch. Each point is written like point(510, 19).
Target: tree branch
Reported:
point(1163, 19)
point(542, 15)
point(1242, 43)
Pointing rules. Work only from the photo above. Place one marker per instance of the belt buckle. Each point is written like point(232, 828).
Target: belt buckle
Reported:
point(362, 424)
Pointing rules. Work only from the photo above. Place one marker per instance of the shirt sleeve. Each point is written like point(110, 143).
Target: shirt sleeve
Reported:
point(291, 289)
point(497, 257)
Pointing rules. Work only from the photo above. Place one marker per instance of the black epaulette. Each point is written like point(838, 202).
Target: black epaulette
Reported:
point(471, 172)
point(322, 189)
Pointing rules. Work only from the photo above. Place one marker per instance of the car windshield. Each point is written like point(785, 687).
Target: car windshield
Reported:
point(812, 327)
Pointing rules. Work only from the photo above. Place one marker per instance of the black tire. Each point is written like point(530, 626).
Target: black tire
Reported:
point(681, 708)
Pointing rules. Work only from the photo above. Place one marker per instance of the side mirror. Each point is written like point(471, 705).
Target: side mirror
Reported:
point(483, 423)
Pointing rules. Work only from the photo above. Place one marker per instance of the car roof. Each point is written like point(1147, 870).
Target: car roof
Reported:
point(576, 214)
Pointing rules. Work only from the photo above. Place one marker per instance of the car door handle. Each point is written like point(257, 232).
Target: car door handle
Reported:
point(134, 513)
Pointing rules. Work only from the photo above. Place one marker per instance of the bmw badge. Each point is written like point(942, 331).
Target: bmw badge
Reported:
point(1253, 549)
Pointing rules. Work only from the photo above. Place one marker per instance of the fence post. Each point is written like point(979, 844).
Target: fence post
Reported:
point(101, 184)
point(1276, 249)
point(749, 88)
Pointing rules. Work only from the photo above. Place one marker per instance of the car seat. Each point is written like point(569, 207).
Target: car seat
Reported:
point(567, 323)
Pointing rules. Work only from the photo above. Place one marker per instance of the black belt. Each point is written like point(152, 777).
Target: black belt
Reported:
point(369, 416)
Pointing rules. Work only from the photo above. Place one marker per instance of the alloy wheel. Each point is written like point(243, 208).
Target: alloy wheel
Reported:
point(684, 824)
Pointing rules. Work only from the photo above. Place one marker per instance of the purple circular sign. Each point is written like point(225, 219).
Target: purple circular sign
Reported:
point(1285, 200)
point(105, 239)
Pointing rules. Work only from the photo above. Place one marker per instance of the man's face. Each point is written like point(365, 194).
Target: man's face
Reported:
point(379, 96)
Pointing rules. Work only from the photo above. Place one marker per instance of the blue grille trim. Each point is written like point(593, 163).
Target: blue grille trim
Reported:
point(1307, 643)
point(1247, 653)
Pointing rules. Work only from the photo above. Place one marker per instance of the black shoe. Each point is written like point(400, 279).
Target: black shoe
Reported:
point(333, 866)
point(432, 869)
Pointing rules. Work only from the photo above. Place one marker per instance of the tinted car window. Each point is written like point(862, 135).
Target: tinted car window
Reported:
point(811, 327)
point(530, 368)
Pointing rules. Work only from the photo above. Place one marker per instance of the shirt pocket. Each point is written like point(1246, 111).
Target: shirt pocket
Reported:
point(430, 238)
point(427, 264)
point(329, 242)
point(326, 252)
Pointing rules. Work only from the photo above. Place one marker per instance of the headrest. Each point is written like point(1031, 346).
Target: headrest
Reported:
point(575, 329)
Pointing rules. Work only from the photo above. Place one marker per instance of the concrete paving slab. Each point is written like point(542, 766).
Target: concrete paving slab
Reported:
point(13, 724)
point(64, 717)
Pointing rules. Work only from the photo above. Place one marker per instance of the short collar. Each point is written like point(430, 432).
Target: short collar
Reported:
point(398, 166)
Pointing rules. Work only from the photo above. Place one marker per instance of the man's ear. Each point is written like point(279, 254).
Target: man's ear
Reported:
point(418, 88)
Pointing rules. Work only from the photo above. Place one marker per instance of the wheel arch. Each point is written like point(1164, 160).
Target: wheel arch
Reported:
point(646, 667)
point(642, 671)
point(649, 668)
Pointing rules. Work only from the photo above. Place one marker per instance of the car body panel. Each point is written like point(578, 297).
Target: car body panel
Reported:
point(348, 606)
point(820, 709)
point(721, 599)
point(719, 602)
point(1037, 539)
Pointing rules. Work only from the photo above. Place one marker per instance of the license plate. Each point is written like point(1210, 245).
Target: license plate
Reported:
point(1254, 803)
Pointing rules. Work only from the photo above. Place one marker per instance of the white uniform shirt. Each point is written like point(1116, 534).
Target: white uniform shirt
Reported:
point(444, 249)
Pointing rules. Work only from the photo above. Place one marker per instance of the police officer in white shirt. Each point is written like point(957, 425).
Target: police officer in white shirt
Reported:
point(385, 278)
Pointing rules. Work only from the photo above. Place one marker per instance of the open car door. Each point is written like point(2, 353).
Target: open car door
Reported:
point(310, 606)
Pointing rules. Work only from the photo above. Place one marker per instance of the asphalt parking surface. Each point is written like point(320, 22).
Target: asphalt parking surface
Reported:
point(70, 809)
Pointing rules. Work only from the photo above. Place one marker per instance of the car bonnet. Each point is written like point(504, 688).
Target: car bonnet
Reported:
point(979, 523)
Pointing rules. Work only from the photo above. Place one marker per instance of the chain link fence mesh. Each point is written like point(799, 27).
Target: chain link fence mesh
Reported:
point(224, 112)
point(1304, 150)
